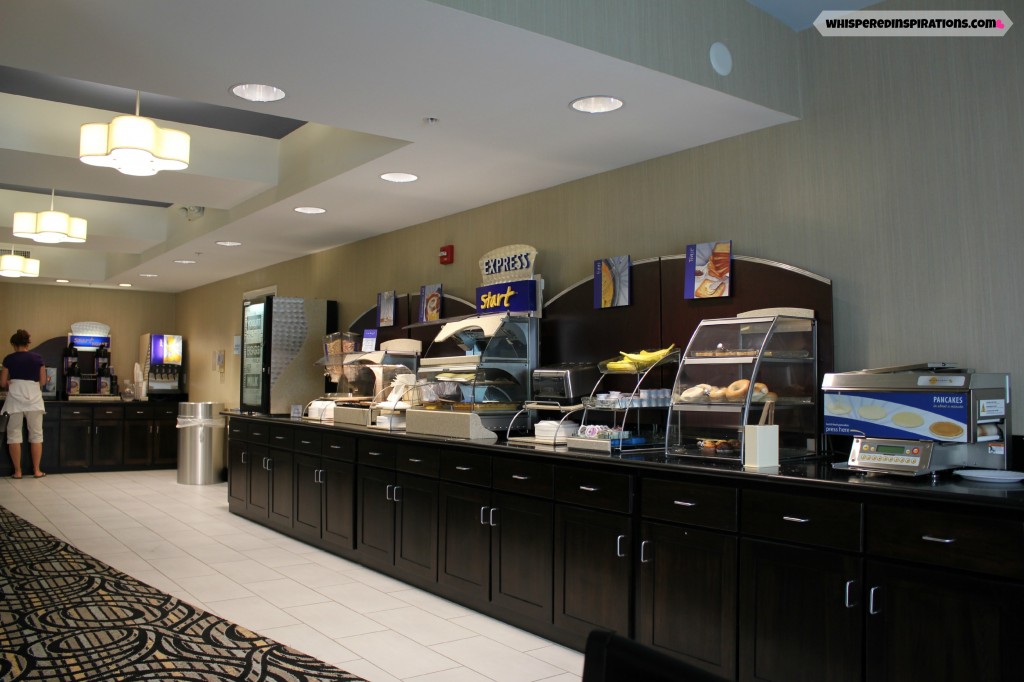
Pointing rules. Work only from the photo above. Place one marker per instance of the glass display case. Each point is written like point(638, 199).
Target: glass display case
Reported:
point(736, 370)
point(480, 366)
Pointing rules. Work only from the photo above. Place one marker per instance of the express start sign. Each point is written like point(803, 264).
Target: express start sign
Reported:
point(514, 297)
point(508, 264)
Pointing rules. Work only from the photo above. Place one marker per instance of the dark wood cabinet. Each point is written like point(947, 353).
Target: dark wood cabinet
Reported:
point(593, 571)
point(464, 542)
point(257, 498)
point(75, 449)
point(238, 458)
point(325, 501)
point(926, 625)
point(522, 555)
point(165, 435)
point(282, 481)
point(397, 510)
point(686, 603)
point(799, 613)
point(138, 435)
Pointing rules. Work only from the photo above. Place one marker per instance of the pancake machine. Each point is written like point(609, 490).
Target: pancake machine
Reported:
point(920, 419)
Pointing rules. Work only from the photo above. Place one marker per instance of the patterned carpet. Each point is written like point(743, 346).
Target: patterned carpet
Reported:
point(66, 616)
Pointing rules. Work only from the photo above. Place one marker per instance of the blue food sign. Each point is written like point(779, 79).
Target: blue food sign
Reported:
point(512, 297)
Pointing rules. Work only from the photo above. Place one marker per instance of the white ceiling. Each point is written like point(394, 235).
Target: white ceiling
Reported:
point(366, 74)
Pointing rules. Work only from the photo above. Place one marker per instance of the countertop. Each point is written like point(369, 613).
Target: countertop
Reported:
point(818, 472)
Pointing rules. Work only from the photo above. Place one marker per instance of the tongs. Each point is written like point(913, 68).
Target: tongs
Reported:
point(768, 413)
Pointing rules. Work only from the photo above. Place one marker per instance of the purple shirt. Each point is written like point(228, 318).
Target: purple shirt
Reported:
point(24, 364)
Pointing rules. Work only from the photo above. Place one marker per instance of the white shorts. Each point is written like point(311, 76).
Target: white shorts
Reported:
point(34, 419)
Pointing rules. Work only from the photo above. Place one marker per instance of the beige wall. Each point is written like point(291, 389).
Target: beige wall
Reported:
point(49, 311)
point(901, 183)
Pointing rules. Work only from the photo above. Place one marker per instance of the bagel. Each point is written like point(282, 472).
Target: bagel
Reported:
point(759, 392)
point(695, 393)
point(737, 390)
point(717, 394)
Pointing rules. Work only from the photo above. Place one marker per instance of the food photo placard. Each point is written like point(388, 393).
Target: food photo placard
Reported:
point(611, 282)
point(708, 270)
point(430, 302)
point(386, 309)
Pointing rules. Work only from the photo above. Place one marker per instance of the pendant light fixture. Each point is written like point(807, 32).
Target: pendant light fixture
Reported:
point(13, 264)
point(50, 227)
point(134, 145)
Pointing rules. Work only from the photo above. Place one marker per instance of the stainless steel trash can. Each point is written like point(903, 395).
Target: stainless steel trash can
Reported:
point(200, 443)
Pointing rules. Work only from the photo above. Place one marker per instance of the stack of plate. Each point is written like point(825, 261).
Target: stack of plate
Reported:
point(553, 431)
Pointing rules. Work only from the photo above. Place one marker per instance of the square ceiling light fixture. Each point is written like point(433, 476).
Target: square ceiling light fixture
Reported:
point(50, 227)
point(134, 145)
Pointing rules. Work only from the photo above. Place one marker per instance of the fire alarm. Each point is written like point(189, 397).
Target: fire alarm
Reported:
point(447, 254)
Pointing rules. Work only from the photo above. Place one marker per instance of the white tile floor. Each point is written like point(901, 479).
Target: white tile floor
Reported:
point(182, 540)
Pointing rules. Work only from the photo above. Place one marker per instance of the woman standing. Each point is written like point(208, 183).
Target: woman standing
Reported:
point(24, 375)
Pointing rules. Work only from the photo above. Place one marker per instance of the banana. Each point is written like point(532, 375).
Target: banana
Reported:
point(621, 366)
point(647, 357)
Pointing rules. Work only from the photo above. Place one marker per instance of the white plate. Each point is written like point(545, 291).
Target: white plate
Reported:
point(991, 475)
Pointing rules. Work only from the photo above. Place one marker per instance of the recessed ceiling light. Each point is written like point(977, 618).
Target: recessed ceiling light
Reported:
point(256, 92)
point(310, 210)
point(147, 274)
point(399, 177)
point(185, 261)
point(596, 104)
point(124, 284)
point(229, 243)
point(62, 281)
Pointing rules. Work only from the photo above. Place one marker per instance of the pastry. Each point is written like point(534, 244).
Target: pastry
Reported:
point(718, 264)
point(717, 394)
point(696, 393)
point(759, 392)
point(737, 390)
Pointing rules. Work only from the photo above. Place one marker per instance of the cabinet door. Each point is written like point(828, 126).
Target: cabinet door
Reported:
point(801, 618)
point(108, 442)
point(416, 526)
point(338, 525)
point(308, 497)
point(138, 442)
point(257, 501)
point(593, 571)
point(522, 550)
point(75, 443)
point(936, 625)
point(464, 540)
point(51, 442)
point(687, 598)
point(238, 474)
point(282, 492)
point(376, 517)
point(165, 442)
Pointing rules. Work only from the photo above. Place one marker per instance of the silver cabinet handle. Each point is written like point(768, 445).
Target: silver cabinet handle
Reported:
point(270, 463)
point(589, 489)
point(243, 457)
point(618, 546)
point(306, 442)
point(151, 428)
point(483, 513)
point(278, 437)
point(941, 541)
point(371, 453)
point(795, 519)
point(388, 491)
point(872, 607)
point(414, 460)
point(643, 551)
point(396, 497)
point(463, 468)
point(490, 517)
point(684, 503)
point(520, 477)
point(848, 600)
point(334, 447)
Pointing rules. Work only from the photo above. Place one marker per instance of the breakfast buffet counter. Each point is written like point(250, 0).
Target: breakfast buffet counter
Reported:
point(810, 572)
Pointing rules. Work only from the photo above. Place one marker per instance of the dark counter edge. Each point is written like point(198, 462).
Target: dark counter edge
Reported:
point(812, 473)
